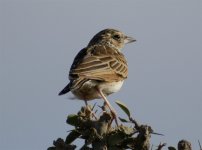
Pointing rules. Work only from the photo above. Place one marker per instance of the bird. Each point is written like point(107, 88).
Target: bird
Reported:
point(100, 68)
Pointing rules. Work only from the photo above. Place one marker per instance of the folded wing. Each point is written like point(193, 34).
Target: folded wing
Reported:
point(99, 63)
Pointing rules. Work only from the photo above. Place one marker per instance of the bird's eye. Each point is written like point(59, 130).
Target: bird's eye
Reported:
point(116, 37)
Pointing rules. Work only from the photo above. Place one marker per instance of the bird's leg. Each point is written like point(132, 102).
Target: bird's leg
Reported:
point(86, 103)
point(104, 106)
point(109, 105)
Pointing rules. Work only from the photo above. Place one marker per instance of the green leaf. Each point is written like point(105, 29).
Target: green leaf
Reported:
point(123, 120)
point(72, 119)
point(72, 136)
point(119, 135)
point(123, 107)
point(116, 138)
point(126, 130)
point(171, 148)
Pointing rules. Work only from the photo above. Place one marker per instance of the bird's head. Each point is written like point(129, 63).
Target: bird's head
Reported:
point(111, 37)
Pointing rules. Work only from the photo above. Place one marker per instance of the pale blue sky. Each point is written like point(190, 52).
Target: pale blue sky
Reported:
point(39, 39)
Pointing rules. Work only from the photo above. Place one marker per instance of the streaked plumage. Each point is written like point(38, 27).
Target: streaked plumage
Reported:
point(99, 69)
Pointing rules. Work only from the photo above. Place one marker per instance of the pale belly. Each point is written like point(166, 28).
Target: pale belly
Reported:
point(88, 90)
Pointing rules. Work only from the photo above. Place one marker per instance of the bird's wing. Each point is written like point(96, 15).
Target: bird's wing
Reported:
point(99, 63)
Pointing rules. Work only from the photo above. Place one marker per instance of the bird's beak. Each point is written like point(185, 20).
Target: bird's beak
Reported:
point(129, 40)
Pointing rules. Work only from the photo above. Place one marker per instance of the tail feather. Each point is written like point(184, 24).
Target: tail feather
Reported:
point(65, 90)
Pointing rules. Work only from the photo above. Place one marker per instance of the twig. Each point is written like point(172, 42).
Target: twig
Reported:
point(199, 145)
point(161, 146)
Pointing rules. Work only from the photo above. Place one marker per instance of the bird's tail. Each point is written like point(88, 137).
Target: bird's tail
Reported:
point(65, 90)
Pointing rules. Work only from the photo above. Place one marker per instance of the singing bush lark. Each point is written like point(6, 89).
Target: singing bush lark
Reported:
point(99, 69)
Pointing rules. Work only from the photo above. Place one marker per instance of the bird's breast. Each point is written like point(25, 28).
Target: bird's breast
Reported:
point(111, 87)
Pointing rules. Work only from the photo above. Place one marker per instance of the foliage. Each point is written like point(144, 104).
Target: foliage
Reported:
point(99, 133)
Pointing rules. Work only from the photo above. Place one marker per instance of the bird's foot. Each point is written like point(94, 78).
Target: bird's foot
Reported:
point(114, 117)
point(113, 112)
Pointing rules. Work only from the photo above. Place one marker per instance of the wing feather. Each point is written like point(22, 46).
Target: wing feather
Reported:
point(100, 63)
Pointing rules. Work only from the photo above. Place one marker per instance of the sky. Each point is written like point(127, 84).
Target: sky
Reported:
point(39, 40)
